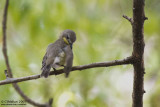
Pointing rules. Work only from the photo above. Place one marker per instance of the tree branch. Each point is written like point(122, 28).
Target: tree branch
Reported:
point(138, 52)
point(129, 19)
point(17, 88)
point(4, 47)
point(128, 60)
point(9, 73)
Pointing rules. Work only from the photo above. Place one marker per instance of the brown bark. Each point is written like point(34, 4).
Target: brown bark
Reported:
point(128, 60)
point(138, 51)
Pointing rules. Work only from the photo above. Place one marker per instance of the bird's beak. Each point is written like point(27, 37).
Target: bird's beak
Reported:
point(66, 41)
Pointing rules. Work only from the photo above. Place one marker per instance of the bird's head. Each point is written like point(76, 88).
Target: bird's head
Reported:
point(69, 37)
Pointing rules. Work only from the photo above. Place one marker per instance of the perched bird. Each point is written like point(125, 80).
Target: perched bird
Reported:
point(59, 54)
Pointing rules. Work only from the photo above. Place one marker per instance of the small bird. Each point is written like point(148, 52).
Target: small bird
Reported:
point(59, 54)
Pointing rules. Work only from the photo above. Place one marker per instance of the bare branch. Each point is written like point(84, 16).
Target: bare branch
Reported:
point(138, 52)
point(4, 49)
point(129, 19)
point(128, 60)
point(17, 88)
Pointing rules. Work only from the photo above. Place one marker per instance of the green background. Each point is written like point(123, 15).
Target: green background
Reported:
point(102, 35)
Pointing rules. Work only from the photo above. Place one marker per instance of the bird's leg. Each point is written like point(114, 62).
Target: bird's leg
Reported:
point(54, 69)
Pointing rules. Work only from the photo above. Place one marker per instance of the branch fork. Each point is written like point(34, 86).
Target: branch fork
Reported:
point(129, 19)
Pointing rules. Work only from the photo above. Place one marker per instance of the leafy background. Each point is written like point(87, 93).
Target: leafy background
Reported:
point(102, 35)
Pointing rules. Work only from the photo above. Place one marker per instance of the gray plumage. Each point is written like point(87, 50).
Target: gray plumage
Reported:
point(59, 54)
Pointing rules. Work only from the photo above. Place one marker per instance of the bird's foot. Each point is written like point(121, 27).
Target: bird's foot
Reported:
point(54, 69)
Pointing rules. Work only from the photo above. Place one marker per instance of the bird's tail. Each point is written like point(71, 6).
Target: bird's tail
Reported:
point(45, 71)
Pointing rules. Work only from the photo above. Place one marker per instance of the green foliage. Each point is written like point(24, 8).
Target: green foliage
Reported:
point(102, 35)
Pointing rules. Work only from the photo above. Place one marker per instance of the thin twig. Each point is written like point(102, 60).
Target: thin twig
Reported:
point(4, 49)
point(128, 60)
point(129, 19)
point(17, 88)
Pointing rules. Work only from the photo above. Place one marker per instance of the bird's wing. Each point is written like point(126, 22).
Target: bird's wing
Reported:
point(48, 59)
point(44, 61)
point(51, 52)
point(68, 60)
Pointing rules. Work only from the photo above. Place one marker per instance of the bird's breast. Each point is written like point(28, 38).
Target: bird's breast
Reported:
point(59, 60)
point(62, 58)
